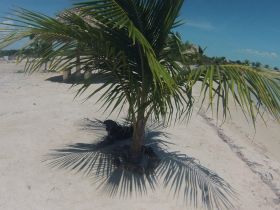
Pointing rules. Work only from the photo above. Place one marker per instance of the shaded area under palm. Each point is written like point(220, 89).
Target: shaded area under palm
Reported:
point(109, 162)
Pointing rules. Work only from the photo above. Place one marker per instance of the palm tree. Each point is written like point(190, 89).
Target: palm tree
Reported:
point(258, 65)
point(131, 46)
point(266, 66)
point(38, 45)
point(246, 62)
point(79, 45)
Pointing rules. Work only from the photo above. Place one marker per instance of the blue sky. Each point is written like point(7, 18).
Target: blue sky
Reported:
point(236, 29)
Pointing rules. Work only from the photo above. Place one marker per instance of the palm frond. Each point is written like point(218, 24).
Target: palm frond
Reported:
point(113, 13)
point(184, 176)
point(117, 48)
point(252, 90)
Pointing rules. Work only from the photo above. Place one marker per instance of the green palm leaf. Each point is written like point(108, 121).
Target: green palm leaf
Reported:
point(252, 90)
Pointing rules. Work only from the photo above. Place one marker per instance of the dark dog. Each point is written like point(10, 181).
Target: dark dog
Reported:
point(117, 132)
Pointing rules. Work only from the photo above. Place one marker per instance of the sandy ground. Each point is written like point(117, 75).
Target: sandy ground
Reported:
point(37, 116)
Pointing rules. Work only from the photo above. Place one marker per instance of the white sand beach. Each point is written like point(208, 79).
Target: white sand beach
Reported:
point(37, 116)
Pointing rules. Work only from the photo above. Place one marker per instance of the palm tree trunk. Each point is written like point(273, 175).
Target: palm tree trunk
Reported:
point(46, 65)
point(138, 139)
point(78, 66)
point(87, 74)
point(66, 75)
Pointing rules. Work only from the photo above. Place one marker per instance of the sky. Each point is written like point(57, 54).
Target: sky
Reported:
point(236, 29)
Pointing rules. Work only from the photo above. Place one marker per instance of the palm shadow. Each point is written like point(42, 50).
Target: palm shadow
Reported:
point(74, 80)
point(107, 163)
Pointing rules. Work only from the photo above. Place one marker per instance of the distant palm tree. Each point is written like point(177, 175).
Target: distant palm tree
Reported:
point(238, 62)
point(131, 46)
point(247, 62)
point(258, 65)
point(67, 73)
point(37, 46)
point(266, 66)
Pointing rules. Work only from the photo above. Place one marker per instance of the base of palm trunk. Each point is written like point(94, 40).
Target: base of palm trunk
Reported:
point(110, 161)
point(66, 75)
point(145, 164)
point(87, 75)
point(145, 161)
point(77, 75)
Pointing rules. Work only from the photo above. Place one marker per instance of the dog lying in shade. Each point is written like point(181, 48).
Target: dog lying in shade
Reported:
point(117, 132)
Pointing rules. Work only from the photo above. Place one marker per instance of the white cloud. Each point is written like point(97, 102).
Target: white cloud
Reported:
point(259, 53)
point(4, 25)
point(204, 25)
point(8, 22)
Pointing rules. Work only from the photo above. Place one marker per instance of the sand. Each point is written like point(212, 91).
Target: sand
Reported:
point(37, 116)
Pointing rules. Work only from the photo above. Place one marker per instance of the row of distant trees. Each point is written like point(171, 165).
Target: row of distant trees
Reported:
point(223, 60)
point(15, 52)
point(211, 60)
point(36, 48)
point(33, 51)
point(8, 52)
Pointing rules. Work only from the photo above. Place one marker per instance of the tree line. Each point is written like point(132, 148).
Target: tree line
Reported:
point(197, 50)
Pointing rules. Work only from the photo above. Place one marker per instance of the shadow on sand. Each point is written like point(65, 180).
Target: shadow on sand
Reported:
point(74, 80)
point(106, 161)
